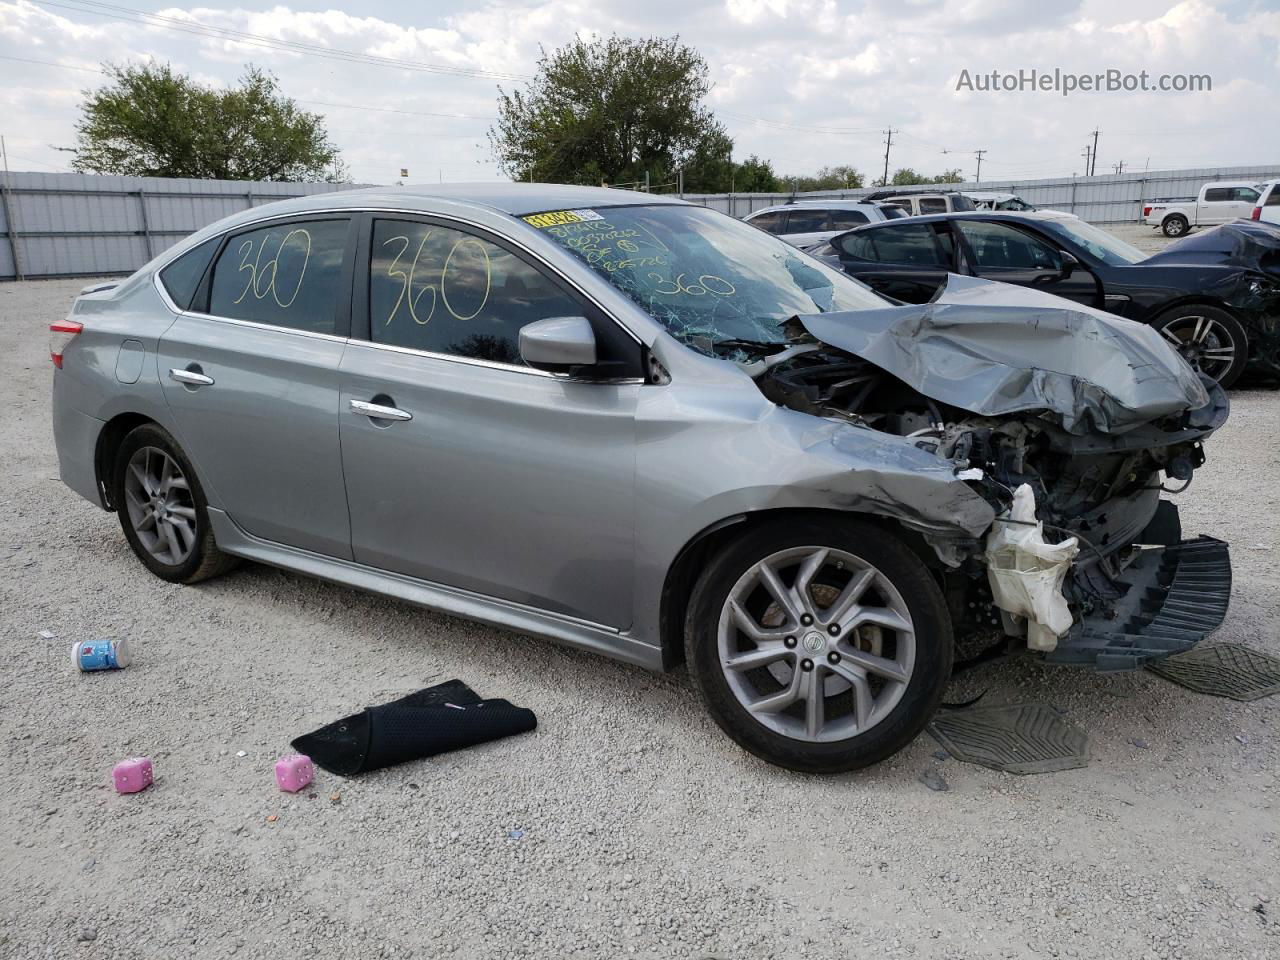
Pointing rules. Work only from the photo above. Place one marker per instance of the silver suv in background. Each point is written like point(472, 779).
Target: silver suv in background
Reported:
point(640, 427)
point(806, 223)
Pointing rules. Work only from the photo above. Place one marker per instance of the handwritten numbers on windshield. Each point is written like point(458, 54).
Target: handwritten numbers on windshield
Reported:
point(263, 277)
point(439, 294)
point(707, 283)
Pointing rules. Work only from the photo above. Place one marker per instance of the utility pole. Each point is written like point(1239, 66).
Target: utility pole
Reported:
point(1094, 169)
point(646, 181)
point(977, 177)
point(888, 142)
point(680, 182)
point(1119, 167)
point(1088, 156)
point(10, 223)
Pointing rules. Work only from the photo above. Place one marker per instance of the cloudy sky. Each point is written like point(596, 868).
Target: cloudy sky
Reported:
point(803, 83)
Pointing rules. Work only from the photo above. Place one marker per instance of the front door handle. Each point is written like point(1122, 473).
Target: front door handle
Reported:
point(190, 377)
point(378, 412)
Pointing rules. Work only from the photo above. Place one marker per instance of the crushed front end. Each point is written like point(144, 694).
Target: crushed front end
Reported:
point(1076, 449)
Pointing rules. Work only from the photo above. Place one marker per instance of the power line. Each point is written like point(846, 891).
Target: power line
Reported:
point(195, 27)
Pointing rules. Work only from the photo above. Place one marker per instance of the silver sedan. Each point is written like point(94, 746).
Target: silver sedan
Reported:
point(644, 428)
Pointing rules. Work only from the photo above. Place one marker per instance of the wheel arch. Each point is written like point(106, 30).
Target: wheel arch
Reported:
point(110, 437)
point(682, 574)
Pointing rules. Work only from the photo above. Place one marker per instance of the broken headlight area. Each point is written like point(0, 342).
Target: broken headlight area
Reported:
point(1084, 562)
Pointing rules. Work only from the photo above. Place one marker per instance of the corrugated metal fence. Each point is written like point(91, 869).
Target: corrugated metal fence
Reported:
point(67, 225)
point(70, 224)
point(1113, 198)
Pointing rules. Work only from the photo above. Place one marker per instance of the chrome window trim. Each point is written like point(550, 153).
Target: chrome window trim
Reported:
point(356, 211)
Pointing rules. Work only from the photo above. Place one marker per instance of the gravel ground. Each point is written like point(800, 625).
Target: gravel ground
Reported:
point(627, 824)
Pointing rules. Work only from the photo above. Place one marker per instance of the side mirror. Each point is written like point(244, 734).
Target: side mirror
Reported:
point(558, 343)
point(1069, 264)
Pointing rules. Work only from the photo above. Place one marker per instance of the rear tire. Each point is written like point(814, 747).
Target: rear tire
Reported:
point(876, 678)
point(162, 508)
point(1175, 225)
point(1208, 338)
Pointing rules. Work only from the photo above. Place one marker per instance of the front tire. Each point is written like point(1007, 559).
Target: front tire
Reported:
point(162, 508)
point(1209, 339)
point(820, 645)
point(1175, 225)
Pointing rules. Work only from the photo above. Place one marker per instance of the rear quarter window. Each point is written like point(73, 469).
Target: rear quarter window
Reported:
point(182, 277)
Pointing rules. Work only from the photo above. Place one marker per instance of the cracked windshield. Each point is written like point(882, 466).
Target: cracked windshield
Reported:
point(714, 282)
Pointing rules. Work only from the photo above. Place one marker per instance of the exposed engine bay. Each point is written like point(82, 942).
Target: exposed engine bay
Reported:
point(1088, 501)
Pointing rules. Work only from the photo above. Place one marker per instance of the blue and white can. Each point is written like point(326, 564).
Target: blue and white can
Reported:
point(102, 654)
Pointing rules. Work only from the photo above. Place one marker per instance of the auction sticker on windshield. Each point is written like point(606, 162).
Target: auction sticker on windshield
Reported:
point(556, 218)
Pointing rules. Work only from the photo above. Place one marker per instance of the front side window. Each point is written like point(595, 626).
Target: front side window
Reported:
point(1100, 244)
point(287, 275)
point(1245, 195)
point(1003, 247)
point(709, 279)
point(441, 290)
point(907, 243)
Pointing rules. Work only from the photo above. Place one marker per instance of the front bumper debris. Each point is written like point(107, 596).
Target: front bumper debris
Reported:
point(1170, 598)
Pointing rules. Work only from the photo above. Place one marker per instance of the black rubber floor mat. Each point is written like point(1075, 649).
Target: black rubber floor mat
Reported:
point(1222, 670)
point(1019, 738)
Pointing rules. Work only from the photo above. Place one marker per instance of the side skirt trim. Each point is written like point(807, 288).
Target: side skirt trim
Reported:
point(499, 613)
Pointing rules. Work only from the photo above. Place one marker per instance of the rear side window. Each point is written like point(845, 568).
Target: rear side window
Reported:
point(892, 211)
point(847, 219)
point(909, 243)
point(440, 290)
point(287, 275)
point(933, 205)
point(1217, 195)
point(183, 276)
point(806, 221)
point(770, 222)
point(1273, 198)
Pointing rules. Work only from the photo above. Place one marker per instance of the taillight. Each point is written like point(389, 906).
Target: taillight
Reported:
point(61, 334)
point(1257, 214)
point(1146, 211)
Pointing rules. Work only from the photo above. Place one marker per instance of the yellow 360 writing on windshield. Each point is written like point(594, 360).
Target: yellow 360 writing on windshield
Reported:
point(557, 218)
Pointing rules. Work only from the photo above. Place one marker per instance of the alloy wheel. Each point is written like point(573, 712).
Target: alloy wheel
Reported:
point(1203, 342)
point(160, 506)
point(816, 644)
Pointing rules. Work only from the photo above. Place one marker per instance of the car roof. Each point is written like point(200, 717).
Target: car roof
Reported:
point(1013, 216)
point(820, 204)
point(516, 199)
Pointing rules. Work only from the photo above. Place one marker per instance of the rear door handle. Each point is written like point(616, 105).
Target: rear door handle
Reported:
point(378, 412)
point(190, 377)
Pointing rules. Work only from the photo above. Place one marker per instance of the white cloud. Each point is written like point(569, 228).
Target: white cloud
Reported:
point(804, 63)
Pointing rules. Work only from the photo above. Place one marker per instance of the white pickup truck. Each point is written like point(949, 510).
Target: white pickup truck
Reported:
point(1218, 202)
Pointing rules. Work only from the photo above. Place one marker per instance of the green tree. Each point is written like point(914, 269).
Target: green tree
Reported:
point(150, 121)
point(612, 110)
point(754, 175)
point(905, 176)
point(840, 177)
point(949, 176)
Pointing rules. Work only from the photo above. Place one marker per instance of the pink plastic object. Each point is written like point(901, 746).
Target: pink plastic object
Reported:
point(294, 771)
point(132, 775)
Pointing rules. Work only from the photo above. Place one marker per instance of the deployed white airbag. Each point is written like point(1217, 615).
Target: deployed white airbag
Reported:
point(1026, 574)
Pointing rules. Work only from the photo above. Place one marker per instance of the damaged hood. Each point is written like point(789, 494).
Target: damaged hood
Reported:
point(1244, 244)
point(993, 348)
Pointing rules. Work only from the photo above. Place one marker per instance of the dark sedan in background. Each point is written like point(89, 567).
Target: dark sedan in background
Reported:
point(1215, 295)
